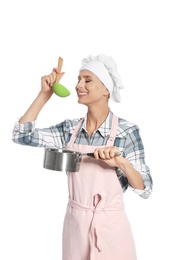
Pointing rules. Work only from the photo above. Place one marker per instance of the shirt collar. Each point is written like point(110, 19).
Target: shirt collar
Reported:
point(104, 129)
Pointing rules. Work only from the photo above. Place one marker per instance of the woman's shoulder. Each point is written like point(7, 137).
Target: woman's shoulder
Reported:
point(126, 127)
point(69, 124)
point(72, 121)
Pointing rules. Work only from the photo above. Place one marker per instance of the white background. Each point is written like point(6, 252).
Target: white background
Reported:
point(138, 35)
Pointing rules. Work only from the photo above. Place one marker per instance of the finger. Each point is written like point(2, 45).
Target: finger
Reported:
point(54, 71)
point(96, 153)
point(103, 154)
point(46, 80)
point(52, 78)
point(114, 153)
point(43, 78)
point(58, 74)
point(106, 153)
point(117, 154)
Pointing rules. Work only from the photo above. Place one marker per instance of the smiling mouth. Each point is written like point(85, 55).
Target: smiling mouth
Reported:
point(82, 94)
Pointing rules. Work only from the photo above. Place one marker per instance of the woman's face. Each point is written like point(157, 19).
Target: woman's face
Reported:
point(90, 89)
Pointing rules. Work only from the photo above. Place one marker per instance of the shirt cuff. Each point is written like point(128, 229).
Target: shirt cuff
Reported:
point(143, 193)
point(26, 127)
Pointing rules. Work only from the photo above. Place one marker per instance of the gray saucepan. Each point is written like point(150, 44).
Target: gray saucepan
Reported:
point(64, 160)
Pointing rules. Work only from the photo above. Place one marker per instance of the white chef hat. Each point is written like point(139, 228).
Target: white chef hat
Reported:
point(105, 68)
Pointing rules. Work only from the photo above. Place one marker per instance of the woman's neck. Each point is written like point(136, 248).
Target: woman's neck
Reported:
point(95, 118)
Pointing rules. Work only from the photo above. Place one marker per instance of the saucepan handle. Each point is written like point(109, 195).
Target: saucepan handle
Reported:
point(92, 154)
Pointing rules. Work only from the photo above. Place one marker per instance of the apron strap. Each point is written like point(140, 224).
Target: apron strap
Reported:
point(111, 139)
point(76, 130)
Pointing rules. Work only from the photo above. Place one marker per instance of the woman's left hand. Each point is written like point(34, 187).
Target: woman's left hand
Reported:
point(110, 155)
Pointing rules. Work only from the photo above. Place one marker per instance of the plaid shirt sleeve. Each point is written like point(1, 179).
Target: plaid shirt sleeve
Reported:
point(133, 150)
point(54, 136)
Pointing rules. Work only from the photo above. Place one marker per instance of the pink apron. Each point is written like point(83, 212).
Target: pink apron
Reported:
point(96, 226)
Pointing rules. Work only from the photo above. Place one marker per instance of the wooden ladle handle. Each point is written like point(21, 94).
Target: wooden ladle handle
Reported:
point(59, 67)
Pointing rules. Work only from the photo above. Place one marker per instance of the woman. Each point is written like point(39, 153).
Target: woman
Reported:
point(95, 224)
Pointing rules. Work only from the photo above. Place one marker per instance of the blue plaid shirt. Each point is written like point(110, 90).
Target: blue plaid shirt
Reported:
point(128, 141)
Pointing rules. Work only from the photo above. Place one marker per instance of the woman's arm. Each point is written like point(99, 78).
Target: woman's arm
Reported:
point(42, 98)
point(108, 155)
point(131, 164)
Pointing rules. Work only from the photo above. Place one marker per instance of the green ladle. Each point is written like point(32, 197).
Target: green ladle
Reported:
point(58, 88)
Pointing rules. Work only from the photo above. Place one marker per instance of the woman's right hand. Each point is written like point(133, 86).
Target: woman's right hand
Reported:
point(43, 96)
point(48, 80)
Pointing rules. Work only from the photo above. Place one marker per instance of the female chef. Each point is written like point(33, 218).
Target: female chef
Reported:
point(95, 226)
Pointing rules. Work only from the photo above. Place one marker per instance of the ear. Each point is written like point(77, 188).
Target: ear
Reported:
point(106, 93)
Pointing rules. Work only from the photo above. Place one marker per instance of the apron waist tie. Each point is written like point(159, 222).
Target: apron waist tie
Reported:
point(93, 232)
point(94, 227)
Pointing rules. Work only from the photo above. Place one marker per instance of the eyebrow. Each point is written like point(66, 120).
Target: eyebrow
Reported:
point(85, 76)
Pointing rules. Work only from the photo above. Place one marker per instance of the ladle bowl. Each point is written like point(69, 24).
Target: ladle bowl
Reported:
point(60, 90)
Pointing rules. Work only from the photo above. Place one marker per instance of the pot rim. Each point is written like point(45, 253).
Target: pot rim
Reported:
point(64, 151)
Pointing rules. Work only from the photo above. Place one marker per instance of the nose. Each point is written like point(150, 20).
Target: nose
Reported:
point(80, 84)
